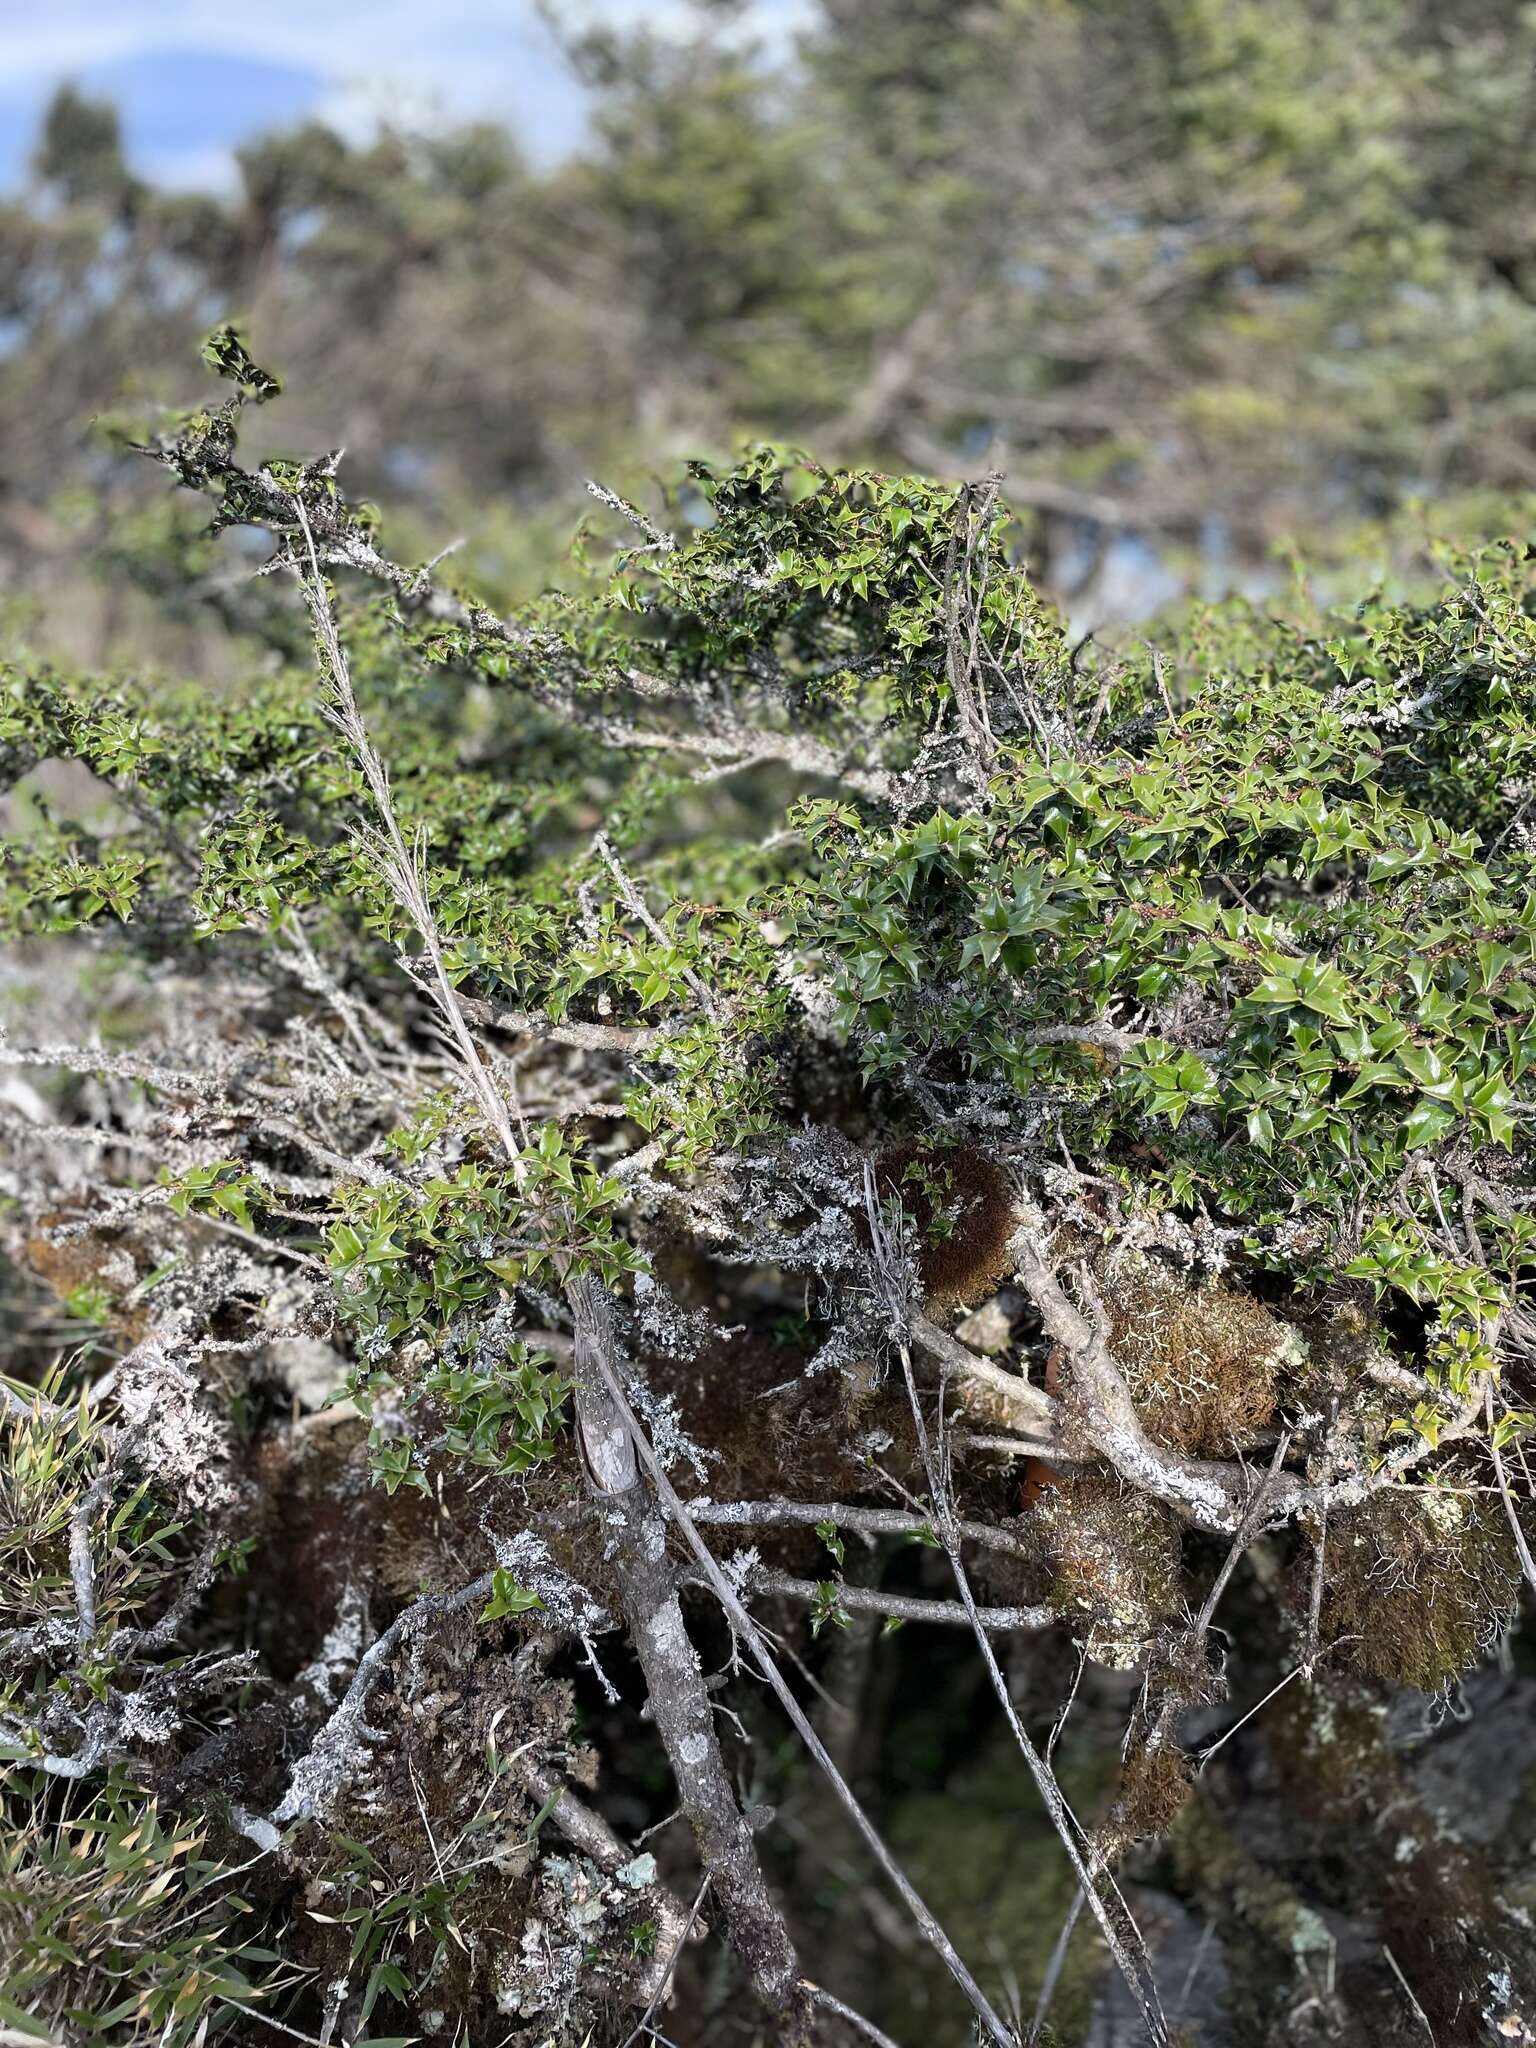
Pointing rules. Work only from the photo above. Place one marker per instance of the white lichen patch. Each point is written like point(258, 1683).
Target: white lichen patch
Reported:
point(176, 1439)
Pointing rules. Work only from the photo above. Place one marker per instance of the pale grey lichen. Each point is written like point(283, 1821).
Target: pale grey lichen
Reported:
point(174, 1437)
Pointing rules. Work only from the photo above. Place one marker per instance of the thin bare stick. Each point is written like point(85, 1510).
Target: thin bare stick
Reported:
point(403, 865)
point(636, 903)
point(1054, 1967)
point(862, 1521)
point(1527, 1562)
point(680, 1705)
point(663, 1964)
point(1258, 1707)
point(585, 1037)
point(1136, 1969)
point(1035, 1408)
point(905, 1607)
point(335, 1752)
point(856, 2020)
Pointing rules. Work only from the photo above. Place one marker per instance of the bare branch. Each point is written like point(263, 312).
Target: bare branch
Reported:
point(336, 1753)
point(902, 1606)
point(804, 1514)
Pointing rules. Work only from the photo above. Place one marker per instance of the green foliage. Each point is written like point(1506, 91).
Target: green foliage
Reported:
point(80, 151)
point(413, 1261)
point(225, 352)
point(1289, 856)
point(52, 1460)
point(796, 853)
point(221, 1189)
point(1302, 880)
point(508, 1597)
point(827, 1609)
point(431, 1265)
point(117, 1926)
point(55, 886)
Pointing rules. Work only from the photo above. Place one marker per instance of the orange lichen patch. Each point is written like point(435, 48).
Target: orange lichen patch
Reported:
point(1203, 1363)
point(1419, 1582)
point(961, 1206)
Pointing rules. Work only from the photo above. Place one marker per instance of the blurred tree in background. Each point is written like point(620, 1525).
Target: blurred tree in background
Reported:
point(1209, 273)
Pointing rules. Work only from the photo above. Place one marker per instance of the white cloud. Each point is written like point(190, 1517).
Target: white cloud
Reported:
point(346, 38)
point(410, 59)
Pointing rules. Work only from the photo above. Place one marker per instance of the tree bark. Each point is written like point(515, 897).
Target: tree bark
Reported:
point(680, 1707)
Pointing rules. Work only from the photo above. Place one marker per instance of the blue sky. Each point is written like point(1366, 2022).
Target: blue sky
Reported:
point(192, 79)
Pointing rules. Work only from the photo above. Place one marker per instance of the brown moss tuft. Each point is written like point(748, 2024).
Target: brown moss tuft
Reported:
point(745, 1396)
point(961, 1205)
point(1440, 1923)
point(1203, 1364)
point(1422, 1581)
point(1438, 1909)
point(1114, 1557)
point(97, 1260)
point(1155, 1788)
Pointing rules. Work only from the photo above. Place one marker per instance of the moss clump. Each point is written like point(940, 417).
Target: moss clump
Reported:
point(1271, 1937)
point(1155, 1788)
point(1112, 1556)
point(1216, 1868)
point(1204, 1364)
point(960, 1203)
point(1417, 1583)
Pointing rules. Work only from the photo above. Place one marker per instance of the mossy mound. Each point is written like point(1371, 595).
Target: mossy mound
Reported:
point(960, 1203)
point(1418, 1584)
point(1113, 1557)
point(1205, 1364)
